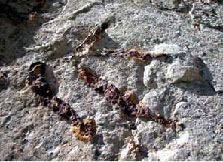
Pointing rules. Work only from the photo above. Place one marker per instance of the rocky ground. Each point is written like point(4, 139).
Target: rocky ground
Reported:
point(187, 85)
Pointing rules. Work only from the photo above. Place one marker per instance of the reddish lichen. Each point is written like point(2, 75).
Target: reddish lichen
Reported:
point(125, 102)
point(84, 129)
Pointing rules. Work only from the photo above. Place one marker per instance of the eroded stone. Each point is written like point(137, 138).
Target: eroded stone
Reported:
point(209, 15)
point(153, 99)
point(177, 73)
point(165, 48)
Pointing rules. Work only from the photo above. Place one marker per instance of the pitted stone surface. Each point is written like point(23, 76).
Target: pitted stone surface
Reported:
point(30, 132)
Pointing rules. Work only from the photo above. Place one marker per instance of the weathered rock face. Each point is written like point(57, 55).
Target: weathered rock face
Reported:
point(182, 81)
point(177, 73)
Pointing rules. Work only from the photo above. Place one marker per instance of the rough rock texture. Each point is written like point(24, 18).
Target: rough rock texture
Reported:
point(189, 32)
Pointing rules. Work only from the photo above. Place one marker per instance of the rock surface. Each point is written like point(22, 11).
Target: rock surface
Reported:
point(177, 73)
point(189, 32)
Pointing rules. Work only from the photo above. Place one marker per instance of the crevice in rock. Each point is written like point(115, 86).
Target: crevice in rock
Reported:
point(4, 83)
point(218, 28)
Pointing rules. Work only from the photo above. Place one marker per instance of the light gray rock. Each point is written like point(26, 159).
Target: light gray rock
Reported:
point(180, 107)
point(32, 132)
point(177, 73)
point(150, 73)
point(208, 15)
point(164, 48)
point(217, 81)
point(154, 100)
point(150, 134)
point(168, 4)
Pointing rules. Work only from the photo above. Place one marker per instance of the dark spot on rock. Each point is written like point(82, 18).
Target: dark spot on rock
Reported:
point(3, 81)
point(37, 79)
point(121, 101)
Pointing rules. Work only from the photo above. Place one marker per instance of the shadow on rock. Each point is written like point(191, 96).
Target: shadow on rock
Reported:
point(108, 42)
point(3, 81)
point(19, 20)
point(105, 43)
point(205, 88)
point(220, 2)
point(51, 79)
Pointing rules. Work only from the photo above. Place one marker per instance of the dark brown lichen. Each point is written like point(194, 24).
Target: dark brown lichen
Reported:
point(84, 129)
point(36, 79)
point(124, 102)
point(134, 54)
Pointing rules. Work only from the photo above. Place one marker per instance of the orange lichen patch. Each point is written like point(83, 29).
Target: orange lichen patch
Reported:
point(85, 131)
point(88, 76)
point(130, 95)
